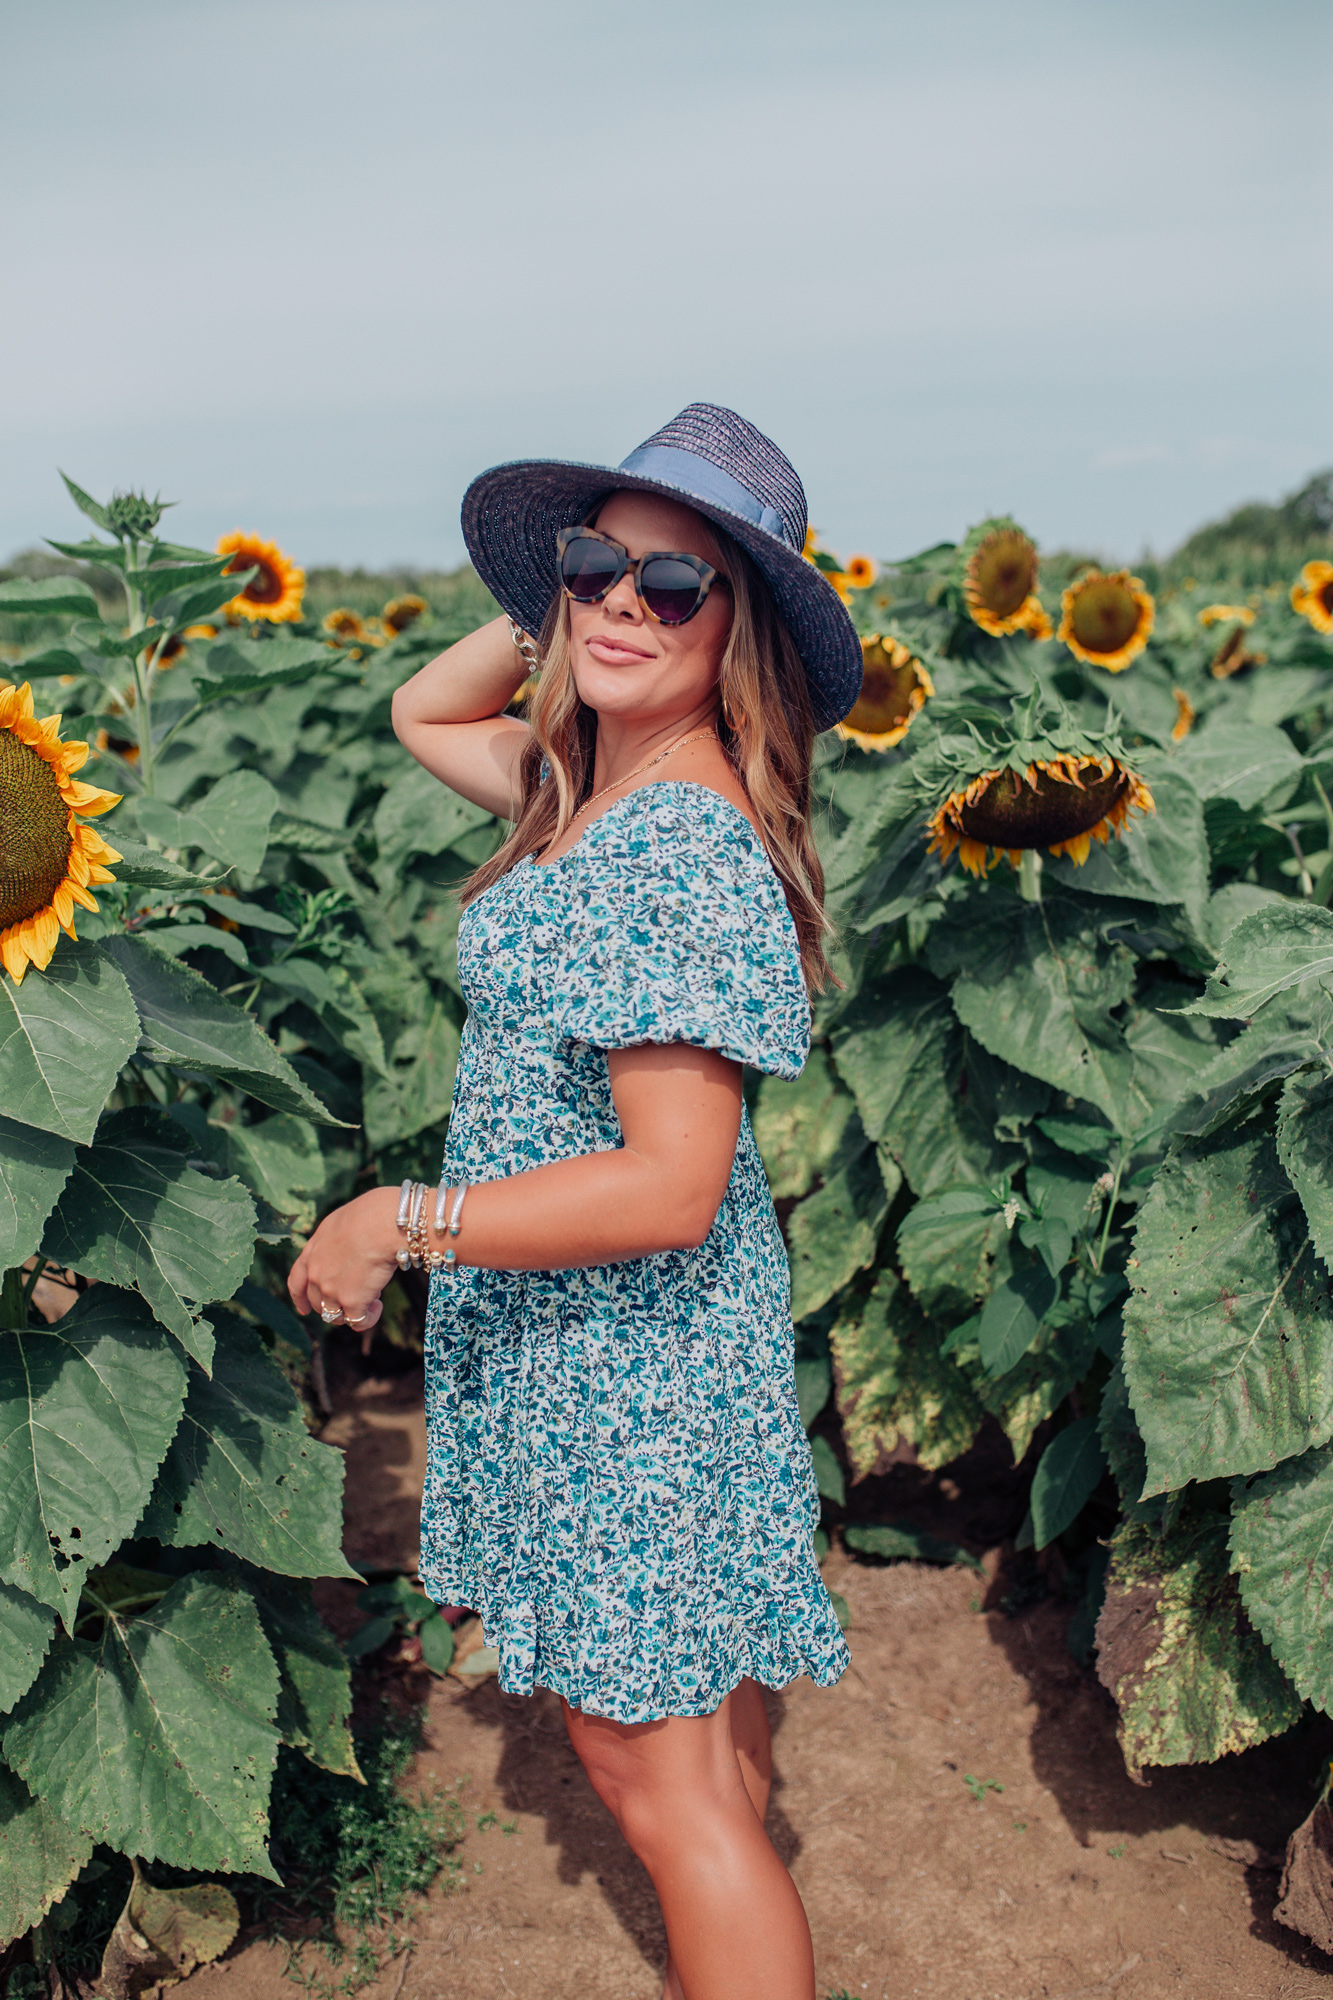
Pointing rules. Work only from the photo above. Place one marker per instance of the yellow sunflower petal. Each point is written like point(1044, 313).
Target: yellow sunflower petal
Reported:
point(13, 954)
point(88, 798)
point(972, 856)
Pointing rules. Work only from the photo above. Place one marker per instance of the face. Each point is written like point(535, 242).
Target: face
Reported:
point(626, 664)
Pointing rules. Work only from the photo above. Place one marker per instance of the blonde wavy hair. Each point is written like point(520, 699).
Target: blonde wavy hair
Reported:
point(764, 724)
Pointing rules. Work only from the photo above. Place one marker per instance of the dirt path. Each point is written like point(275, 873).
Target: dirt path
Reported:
point(1064, 1879)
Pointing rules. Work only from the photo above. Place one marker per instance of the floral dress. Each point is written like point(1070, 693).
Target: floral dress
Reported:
point(618, 1478)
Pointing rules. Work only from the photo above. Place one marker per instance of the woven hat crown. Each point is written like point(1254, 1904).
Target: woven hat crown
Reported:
point(741, 450)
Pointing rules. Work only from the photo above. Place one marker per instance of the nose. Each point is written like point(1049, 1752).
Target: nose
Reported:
point(622, 600)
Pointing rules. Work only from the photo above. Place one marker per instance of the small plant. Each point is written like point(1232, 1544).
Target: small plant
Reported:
point(980, 1786)
point(397, 1606)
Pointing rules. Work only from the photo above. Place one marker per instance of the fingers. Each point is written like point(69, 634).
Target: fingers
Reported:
point(297, 1285)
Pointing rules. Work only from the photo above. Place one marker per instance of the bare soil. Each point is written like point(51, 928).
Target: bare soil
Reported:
point(1063, 1879)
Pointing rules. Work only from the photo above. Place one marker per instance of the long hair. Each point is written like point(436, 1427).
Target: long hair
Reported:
point(764, 724)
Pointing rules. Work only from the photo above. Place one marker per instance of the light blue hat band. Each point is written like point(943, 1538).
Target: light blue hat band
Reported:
point(707, 482)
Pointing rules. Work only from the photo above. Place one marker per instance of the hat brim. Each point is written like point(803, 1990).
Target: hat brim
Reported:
point(512, 514)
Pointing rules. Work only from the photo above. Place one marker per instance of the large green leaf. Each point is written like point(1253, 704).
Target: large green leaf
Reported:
point(1294, 1030)
point(1191, 1680)
point(188, 1024)
point(159, 1739)
point(1305, 1148)
point(315, 1698)
point(895, 1385)
point(946, 1247)
point(1037, 984)
point(88, 1407)
point(331, 993)
point(1170, 1053)
point(235, 666)
point(244, 1473)
point(832, 1234)
point(34, 1166)
point(64, 1034)
point(25, 1633)
point(136, 1213)
point(418, 814)
point(1122, 1440)
point(280, 1160)
point(1282, 1549)
point(145, 866)
point(1162, 858)
point(42, 1857)
point(1012, 1315)
point(231, 821)
point(1229, 1332)
point(799, 1126)
point(899, 1049)
point(1241, 761)
point(46, 597)
point(1066, 1479)
point(1267, 952)
point(419, 1088)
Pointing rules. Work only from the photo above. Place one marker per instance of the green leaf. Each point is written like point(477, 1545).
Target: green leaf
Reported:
point(1170, 1053)
point(1305, 1148)
point(418, 1090)
point(437, 1643)
point(1282, 1549)
point(42, 1857)
point(1229, 1332)
point(814, 1384)
point(899, 1541)
point(237, 666)
point(1191, 1680)
point(832, 1234)
point(418, 814)
point(25, 1633)
point(275, 1314)
point(828, 1472)
point(88, 1407)
point(1162, 858)
point(85, 503)
point(186, 604)
point(1039, 1383)
point(1066, 1479)
point(159, 1738)
point(899, 1049)
point(945, 1247)
point(159, 578)
point(1122, 1440)
point(1012, 1316)
point(1038, 985)
point(798, 1127)
point(137, 1214)
point(47, 596)
point(1267, 952)
point(1241, 761)
point(231, 820)
point(315, 1698)
point(173, 939)
point(243, 1472)
point(1294, 1030)
point(151, 870)
point(188, 1024)
point(331, 993)
point(279, 1160)
point(895, 1385)
point(64, 1034)
point(36, 1166)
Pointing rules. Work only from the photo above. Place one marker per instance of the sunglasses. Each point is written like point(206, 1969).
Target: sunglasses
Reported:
point(670, 586)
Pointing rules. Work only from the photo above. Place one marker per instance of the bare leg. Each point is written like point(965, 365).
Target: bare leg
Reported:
point(679, 1792)
point(754, 1753)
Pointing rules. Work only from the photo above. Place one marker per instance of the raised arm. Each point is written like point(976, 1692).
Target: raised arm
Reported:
point(450, 717)
point(680, 1111)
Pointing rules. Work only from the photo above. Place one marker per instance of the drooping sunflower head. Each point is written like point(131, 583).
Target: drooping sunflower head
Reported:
point(275, 590)
point(1106, 619)
point(894, 687)
point(344, 625)
point(1233, 655)
point(1037, 781)
point(999, 577)
point(1312, 595)
point(400, 612)
point(48, 857)
point(1226, 614)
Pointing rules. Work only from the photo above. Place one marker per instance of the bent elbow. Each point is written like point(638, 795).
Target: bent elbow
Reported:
point(398, 712)
point(695, 1225)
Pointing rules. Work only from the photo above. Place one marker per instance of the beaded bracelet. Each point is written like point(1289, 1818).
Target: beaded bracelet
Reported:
point(417, 1253)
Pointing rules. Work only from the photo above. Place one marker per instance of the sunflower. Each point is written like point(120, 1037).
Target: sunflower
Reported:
point(1106, 619)
point(48, 858)
point(1312, 595)
point(1184, 721)
point(1064, 803)
point(894, 687)
point(345, 626)
point(275, 591)
point(999, 565)
point(1225, 614)
point(1233, 654)
point(862, 571)
point(400, 612)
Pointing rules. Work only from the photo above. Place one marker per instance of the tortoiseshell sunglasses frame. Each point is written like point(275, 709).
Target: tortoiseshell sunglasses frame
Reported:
point(705, 572)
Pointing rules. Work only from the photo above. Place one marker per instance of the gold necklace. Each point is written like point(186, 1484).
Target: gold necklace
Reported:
point(639, 771)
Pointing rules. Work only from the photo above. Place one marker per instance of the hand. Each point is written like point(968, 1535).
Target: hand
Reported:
point(348, 1262)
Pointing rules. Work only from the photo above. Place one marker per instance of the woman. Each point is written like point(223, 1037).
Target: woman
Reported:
point(618, 1476)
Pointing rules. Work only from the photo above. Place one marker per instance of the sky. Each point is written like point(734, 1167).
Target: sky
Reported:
point(307, 266)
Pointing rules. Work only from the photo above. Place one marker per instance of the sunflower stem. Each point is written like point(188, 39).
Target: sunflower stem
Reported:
point(13, 1306)
point(1111, 1201)
point(143, 674)
point(1029, 876)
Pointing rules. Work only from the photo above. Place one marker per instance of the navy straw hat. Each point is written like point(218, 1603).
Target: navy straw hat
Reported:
point(713, 461)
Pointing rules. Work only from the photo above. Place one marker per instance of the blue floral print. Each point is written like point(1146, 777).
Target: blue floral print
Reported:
point(618, 1478)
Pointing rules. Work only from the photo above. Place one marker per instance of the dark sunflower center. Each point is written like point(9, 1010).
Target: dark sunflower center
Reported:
point(1105, 616)
point(885, 698)
point(1015, 813)
point(265, 586)
point(1004, 570)
point(1325, 595)
point(34, 832)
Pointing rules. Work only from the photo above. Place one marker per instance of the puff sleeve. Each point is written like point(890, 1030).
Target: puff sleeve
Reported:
point(679, 931)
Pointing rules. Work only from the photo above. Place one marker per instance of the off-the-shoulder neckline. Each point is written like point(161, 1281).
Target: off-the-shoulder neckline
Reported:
point(653, 785)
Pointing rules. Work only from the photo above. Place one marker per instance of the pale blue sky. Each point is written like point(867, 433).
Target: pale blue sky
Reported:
point(308, 265)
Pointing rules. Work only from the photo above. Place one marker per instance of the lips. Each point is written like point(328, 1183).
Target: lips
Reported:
point(614, 652)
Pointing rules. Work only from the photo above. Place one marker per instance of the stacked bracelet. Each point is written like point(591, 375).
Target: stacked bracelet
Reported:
point(417, 1254)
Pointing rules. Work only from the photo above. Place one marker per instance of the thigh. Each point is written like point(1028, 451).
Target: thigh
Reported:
point(670, 1762)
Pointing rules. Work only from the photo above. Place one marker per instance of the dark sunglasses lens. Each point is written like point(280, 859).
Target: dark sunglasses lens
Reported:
point(670, 589)
point(587, 568)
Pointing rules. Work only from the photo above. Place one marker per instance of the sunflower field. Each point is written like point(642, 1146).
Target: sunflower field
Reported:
point(1061, 1160)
